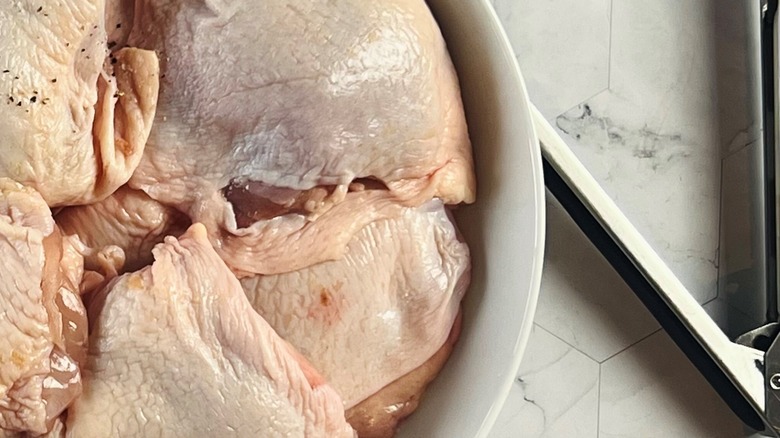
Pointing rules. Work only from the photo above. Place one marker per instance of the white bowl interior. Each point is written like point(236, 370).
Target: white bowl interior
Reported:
point(504, 228)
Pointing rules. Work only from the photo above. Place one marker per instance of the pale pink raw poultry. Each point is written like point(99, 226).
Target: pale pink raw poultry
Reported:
point(380, 415)
point(177, 351)
point(70, 129)
point(128, 219)
point(43, 325)
point(378, 312)
point(293, 101)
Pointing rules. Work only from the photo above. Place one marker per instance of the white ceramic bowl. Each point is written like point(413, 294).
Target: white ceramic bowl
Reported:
point(504, 228)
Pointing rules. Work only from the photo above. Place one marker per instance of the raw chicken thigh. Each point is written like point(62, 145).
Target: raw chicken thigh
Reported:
point(272, 181)
point(74, 126)
point(378, 312)
point(43, 325)
point(379, 415)
point(293, 101)
point(291, 241)
point(177, 351)
point(128, 219)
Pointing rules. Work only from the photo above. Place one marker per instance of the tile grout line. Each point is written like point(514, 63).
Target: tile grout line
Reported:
point(598, 407)
point(583, 102)
point(731, 153)
point(720, 232)
point(659, 329)
point(709, 301)
point(565, 342)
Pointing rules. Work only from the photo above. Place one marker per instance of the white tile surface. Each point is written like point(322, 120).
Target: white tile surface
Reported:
point(562, 68)
point(651, 390)
point(555, 394)
point(583, 301)
point(685, 67)
point(676, 96)
point(663, 57)
point(657, 175)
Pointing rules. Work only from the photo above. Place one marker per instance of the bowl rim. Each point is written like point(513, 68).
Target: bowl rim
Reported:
point(532, 141)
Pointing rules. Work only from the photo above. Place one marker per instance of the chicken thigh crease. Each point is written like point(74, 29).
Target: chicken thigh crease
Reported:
point(328, 94)
point(176, 350)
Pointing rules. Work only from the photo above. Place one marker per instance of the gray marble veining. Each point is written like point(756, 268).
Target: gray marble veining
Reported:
point(659, 100)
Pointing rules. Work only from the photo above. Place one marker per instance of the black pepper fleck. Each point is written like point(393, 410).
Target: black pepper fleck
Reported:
point(39, 9)
point(6, 71)
point(83, 50)
point(54, 81)
point(33, 99)
point(113, 60)
point(19, 104)
point(118, 25)
point(111, 44)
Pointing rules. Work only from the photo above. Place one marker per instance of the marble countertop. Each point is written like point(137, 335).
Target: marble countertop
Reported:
point(660, 101)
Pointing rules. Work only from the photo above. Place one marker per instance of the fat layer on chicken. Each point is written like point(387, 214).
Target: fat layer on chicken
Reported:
point(73, 124)
point(378, 312)
point(177, 351)
point(299, 103)
point(43, 325)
